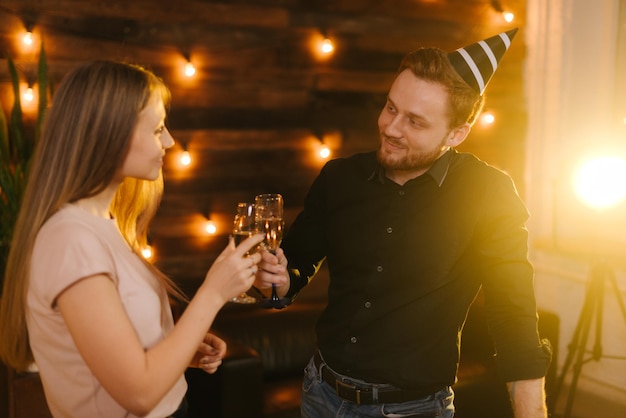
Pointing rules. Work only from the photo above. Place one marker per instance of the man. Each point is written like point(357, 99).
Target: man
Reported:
point(410, 233)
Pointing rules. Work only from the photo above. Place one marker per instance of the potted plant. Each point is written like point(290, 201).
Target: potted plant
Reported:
point(17, 142)
point(16, 147)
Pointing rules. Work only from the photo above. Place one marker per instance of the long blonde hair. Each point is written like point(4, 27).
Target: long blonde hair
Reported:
point(85, 140)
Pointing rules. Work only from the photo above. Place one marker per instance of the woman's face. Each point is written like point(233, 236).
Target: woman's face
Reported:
point(148, 144)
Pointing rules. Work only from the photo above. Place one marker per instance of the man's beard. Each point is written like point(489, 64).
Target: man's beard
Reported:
point(409, 162)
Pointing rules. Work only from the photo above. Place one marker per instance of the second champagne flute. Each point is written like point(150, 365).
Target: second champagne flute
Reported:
point(269, 220)
point(244, 226)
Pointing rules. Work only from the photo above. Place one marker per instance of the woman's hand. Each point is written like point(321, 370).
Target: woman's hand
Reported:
point(210, 353)
point(234, 270)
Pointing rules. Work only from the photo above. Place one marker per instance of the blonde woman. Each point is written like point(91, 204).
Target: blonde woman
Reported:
point(78, 299)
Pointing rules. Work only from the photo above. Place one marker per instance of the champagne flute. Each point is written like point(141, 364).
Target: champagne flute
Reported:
point(244, 226)
point(269, 220)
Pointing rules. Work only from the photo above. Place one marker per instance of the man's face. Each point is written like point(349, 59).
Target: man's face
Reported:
point(413, 127)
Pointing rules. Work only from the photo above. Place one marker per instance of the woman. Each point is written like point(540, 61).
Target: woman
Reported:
point(78, 299)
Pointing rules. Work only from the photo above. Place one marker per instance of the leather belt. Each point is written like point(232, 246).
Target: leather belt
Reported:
point(364, 395)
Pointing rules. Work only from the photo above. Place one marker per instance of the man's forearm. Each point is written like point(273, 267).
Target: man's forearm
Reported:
point(528, 398)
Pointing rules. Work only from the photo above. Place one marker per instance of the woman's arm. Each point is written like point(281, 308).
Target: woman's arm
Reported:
point(137, 378)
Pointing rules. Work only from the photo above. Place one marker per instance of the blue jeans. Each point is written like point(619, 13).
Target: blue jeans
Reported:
point(319, 400)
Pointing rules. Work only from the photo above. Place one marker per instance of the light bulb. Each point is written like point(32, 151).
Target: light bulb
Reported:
point(327, 46)
point(324, 151)
point(29, 95)
point(185, 158)
point(508, 16)
point(146, 252)
point(28, 38)
point(190, 70)
point(210, 227)
point(487, 118)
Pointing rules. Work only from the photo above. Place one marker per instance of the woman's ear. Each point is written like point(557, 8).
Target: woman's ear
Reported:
point(458, 135)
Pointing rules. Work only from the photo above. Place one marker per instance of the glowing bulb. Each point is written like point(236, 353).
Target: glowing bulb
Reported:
point(210, 227)
point(487, 118)
point(508, 16)
point(185, 158)
point(601, 182)
point(190, 70)
point(146, 252)
point(28, 38)
point(29, 95)
point(327, 46)
point(324, 151)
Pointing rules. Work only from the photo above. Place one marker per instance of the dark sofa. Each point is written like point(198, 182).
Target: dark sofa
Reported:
point(282, 342)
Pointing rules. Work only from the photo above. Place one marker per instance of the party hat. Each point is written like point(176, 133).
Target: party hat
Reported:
point(476, 63)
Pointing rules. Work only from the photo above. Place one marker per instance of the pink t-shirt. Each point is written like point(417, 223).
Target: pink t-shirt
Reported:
point(74, 244)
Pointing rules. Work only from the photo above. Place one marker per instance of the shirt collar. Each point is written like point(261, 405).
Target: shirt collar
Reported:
point(438, 171)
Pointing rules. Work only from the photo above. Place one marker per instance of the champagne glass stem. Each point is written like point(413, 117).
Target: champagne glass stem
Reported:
point(274, 297)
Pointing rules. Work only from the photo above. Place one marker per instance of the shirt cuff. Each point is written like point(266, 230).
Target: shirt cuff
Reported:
point(527, 364)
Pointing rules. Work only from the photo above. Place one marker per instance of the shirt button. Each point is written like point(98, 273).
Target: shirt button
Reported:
point(353, 340)
point(379, 269)
point(401, 192)
point(368, 304)
point(389, 230)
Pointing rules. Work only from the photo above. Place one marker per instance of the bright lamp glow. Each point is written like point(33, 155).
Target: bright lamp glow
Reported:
point(190, 70)
point(185, 158)
point(210, 227)
point(327, 46)
point(146, 252)
point(601, 182)
point(487, 118)
point(29, 95)
point(324, 151)
point(28, 38)
point(508, 16)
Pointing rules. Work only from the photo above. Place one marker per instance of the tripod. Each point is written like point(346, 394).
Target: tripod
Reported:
point(592, 305)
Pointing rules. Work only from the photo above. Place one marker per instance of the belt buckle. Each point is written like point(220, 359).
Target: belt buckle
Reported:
point(344, 385)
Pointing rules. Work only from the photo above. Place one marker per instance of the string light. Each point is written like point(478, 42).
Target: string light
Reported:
point(29, 95)
point(28, 38)
point(507, 15)
point(185, 158)
point(324, 151)
point(327, 47)
point(321, 45)
point(487, 118)
point(146, 252)
point(210, 227)
point(190, 70)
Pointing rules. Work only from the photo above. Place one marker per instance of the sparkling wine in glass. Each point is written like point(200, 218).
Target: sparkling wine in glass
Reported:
point(244, 226)
point(269, 221)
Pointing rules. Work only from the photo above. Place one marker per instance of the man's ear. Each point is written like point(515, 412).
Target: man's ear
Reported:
point(458, 135)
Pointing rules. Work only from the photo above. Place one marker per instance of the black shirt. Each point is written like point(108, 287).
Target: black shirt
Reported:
point(405, 264)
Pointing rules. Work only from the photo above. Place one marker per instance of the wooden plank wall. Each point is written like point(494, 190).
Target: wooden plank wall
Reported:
point(250, 115)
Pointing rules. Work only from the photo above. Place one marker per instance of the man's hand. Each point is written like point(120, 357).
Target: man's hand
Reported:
point(272, 270)
point(528, 398)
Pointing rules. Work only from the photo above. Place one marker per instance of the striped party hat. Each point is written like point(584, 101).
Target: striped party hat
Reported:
point(476, 63)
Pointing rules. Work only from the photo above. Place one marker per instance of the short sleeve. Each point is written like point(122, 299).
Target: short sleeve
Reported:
point(64, 253)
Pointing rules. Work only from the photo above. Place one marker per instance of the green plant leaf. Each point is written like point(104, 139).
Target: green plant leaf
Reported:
point(16, 138)
point(42, 81)
point(4, 140)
